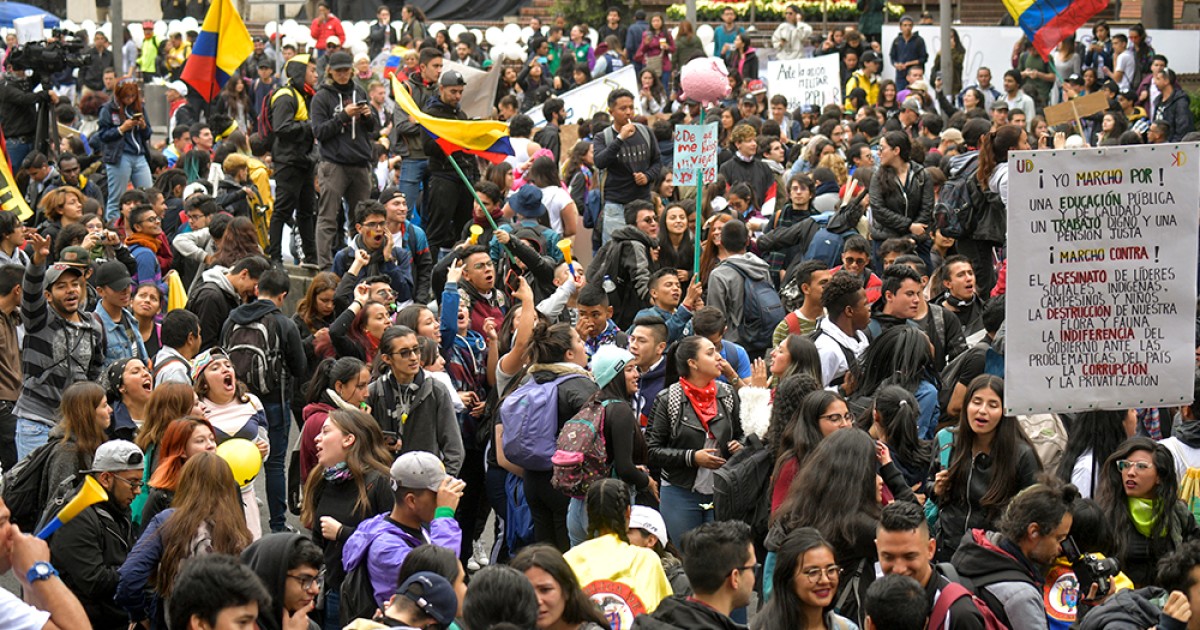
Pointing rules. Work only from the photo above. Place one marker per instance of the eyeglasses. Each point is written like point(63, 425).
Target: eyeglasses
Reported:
point(151, 220)
point(483, 265)
point(838, 418)
point(308, 581)
point(1124, 464)
point(135, 484)
point(830, 572)
point(750, 567)
point(407, 352)
point(850, 260)
point(374, 225)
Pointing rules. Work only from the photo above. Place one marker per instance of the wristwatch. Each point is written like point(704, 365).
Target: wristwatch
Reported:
point(40, 571)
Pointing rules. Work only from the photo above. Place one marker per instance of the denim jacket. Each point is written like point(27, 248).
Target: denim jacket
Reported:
point(122, 340)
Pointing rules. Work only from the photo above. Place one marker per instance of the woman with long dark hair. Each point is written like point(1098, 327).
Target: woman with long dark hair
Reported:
point(675, 250)
point(991, 460)
point(651, 99)
point(128, 385)
point(839, 491)
point(314, 314)
point(894, 423)
point(1140, 493)
point(562, 604)
point(148, 302)
point(85, 416)
point(205, 517)
point(805, 580)
point(796, 354)
point(992, 174)
point(901, 195)
point(695, 427)
point(336, 384)
point(125, 137)
point(357, 330)
point(577, 172)
point(351, 483)
point(821, 413)
point(1094, 435)
point(234, 102)
point(902, 356)
point(887, 98)
point(617, 377)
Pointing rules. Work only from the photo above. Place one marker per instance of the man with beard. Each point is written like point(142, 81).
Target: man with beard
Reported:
point(344, 125)
point(62, 346)
point(448, 201)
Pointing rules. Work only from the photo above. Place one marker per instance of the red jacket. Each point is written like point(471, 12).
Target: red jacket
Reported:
point(321, 31)
point(873, 284)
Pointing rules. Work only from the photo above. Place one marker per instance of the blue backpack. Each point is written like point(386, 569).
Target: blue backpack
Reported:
point(762, 310)
point(518, 520)
point(530, 418)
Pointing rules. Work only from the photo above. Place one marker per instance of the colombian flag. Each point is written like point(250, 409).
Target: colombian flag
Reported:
point(1048, 22)
point(220, 49)
point(486, 138)
point(394, 61)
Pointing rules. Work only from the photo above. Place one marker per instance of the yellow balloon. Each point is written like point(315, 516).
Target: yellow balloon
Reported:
point(243, 458)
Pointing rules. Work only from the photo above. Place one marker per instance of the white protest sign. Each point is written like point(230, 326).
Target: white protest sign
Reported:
point(815, 81)
point(695, 148)
point(591, 97)
point(1101, 293)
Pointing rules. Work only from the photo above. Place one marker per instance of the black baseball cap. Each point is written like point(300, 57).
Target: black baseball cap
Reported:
point(112, 275)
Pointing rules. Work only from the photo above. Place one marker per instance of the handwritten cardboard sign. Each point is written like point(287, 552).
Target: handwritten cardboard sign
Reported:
point(695, 148)
point(1101, 287)
point(1083, 106)
point(815, 81)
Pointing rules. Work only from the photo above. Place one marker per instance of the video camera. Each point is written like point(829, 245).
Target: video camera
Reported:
point(45, 58)
point(1090, 569)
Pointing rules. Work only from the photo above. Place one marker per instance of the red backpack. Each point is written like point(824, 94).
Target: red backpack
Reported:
point(581, 458)
point(953, 592)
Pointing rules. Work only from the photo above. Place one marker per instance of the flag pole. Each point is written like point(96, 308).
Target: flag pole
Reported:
point(466, 182)
point(699, 215)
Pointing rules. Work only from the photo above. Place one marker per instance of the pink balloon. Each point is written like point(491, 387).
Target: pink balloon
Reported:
point(705, 79)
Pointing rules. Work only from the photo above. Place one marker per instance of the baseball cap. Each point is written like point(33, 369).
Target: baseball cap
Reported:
point(756, 86)
point(911, 105)
point(148, 26)
point(117, 456)
point(608, 363)
point(647, 518)
point(749, 99)
point(75, 255)
point(418, 470)
point(918, 86)
point(57, 270)
point(335, 40)
point(391, 193)
point(527, 202)
point(1074, 78)
point(451, 78)
point(340, 60)
point(112, 275)
point(952, 135)
point(178, 86)
point(433, 594)
point(1000, 104)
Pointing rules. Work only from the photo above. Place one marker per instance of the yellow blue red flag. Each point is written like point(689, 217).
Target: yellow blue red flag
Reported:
point(1048, 22)
point(220, 49)
point(486, 138)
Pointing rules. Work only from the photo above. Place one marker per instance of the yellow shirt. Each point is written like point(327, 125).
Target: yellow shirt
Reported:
point(870, 86)
point(625, 581)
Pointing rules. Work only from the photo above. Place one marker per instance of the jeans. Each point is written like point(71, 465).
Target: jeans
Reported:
point(413, 174)
point(276, 464)
point(332, 610)
point(30, 435)
point(498, 500)
point(577, 521)
point(296, 197)
point(683, 510)
point(338, 182)
point(16, 154)
point(131, 168)
point(614, 218)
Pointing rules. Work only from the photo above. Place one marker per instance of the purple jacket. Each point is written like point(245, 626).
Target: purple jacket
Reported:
point(385, 545)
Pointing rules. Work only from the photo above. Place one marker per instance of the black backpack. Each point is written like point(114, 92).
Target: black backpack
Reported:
point(952, 210)
point(25, 487)
point(742, 487)
point(762, 310)
point(266, 130)
point(357, 594)
point(253, 349)
point(605, 270)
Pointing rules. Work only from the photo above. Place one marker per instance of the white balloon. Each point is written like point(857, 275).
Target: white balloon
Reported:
point(513, 32)
point(89, 26)
point(289, 24)
point(136, 33)
point(493, 35)
point(705, 32)
point(106, 28)
point(190, 24)
point(69, 25)
point(435, 28)
point(478, 35)
point(593, 36)
point(160, 28)
point(455, 30)
point(271, 28)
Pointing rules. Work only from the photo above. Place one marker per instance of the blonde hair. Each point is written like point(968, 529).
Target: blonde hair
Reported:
point(837, 164)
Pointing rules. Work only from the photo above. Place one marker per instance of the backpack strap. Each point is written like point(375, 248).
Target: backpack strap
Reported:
point(949, 594)
point(793, 323)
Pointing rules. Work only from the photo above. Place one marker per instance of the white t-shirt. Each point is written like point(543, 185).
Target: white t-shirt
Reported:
point(17, 615)
point(1127, 66)
point(555, 199)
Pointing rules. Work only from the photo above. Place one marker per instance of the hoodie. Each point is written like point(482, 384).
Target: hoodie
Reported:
point(726, 288)
point(269, 558)
point(426, 423)
point(684, 612)
point(344, 141)
point(1003, 577)
point(289, 117)
point(649, 384)
point(291, 351)
point(212, 301)
point(627, 262)
point(1132, 610)
point(384, 544)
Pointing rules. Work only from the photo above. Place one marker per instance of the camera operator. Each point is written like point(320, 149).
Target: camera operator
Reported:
point(19, 110)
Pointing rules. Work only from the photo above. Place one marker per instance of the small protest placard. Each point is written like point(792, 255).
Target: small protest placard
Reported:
point(695, 148)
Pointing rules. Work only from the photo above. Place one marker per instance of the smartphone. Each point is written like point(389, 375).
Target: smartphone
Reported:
point(137, 116)
point(362, 103)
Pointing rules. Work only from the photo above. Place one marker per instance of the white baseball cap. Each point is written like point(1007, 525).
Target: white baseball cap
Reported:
point(642, 517)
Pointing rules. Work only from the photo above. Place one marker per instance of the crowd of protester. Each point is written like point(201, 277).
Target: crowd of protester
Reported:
point(787, 412)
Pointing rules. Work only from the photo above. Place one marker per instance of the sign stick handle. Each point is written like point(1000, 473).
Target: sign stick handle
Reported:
point(1078, 122)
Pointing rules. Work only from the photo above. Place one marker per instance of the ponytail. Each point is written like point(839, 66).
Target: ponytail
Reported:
point(550, 342)
point(330, 371)
point(993, 150)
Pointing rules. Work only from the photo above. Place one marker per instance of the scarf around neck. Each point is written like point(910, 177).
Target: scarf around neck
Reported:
point(1142, 513)
point(145, 240)
point(703, 399)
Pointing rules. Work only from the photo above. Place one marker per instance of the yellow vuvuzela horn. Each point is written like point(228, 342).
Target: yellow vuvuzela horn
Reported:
point(476, 232)
point(90, 494)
